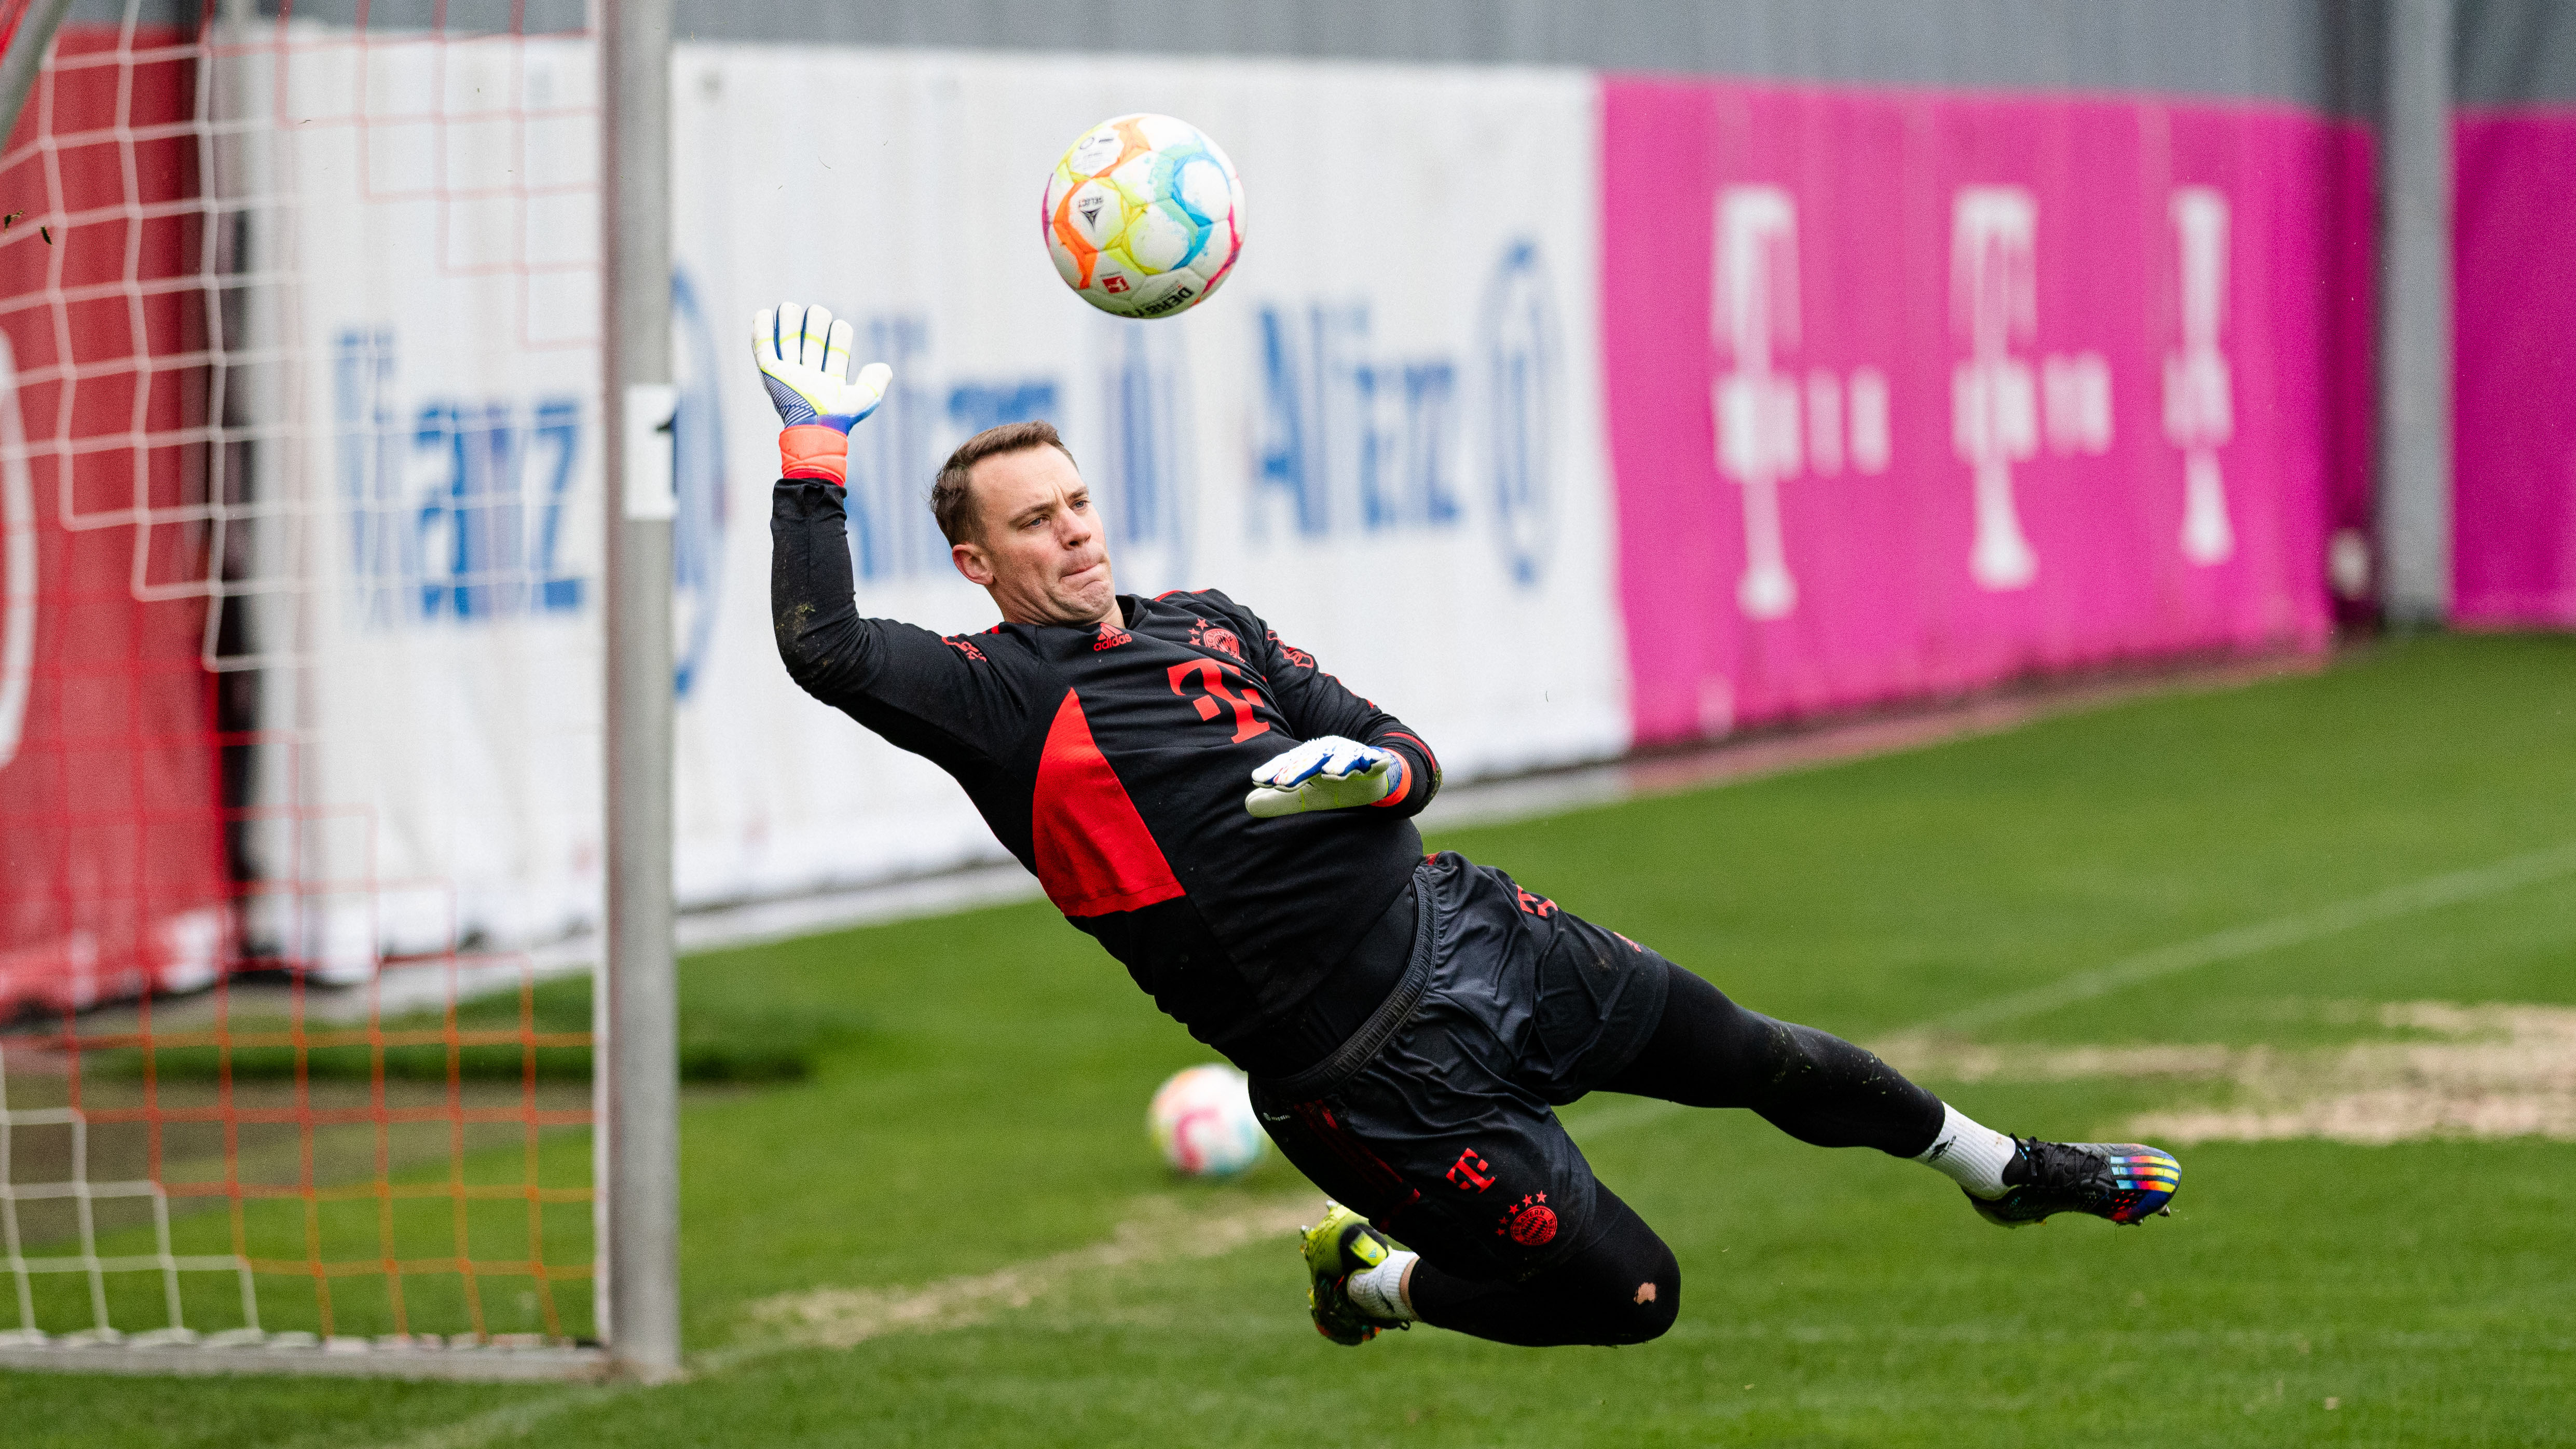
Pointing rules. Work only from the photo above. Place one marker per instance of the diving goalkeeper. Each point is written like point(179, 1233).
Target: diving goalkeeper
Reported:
point(1236, 827)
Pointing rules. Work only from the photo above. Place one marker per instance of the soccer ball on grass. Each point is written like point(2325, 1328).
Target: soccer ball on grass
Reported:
point(1203, 1124)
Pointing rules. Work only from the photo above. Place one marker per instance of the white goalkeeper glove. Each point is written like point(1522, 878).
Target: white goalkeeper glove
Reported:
point(1330, 773)
point(802, 354)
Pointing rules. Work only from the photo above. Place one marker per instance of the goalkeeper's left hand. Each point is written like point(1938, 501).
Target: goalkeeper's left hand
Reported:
point(1330, 773)
point(802, 354)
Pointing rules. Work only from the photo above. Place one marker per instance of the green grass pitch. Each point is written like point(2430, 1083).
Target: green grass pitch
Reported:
point(965, 1157)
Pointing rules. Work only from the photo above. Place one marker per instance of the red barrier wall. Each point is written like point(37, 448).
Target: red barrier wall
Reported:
point(112, 871)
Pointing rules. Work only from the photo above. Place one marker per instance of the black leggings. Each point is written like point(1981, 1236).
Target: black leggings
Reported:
point(1709, 1052)
point(1622, 1286)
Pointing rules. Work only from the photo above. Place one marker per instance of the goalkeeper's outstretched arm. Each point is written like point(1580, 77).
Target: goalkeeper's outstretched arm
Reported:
point(933, 696)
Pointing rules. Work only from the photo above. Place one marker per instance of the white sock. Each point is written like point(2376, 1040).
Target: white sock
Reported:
point(1379, 1291)
point(1970, 1155)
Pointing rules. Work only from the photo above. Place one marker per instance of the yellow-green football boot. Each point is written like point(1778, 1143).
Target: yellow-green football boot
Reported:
point(1342, 1244)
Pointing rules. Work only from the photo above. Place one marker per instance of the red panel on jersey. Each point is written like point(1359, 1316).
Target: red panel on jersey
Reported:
point(1094, 853)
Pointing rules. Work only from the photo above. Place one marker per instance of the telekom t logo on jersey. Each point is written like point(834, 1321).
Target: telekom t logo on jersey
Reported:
point(1753, 317)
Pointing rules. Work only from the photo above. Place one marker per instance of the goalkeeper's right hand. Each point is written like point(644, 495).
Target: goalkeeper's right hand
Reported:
point(802, 354)
point(1325, 773)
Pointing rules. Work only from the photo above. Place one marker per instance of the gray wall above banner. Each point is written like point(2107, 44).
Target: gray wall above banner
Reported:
point(2306, 52)
point(2514, 52)
point(2322, 54)
point(2309, 52)
point(2312, 53)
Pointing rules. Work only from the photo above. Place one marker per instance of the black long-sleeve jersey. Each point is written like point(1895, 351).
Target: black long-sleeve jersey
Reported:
point(1113, 762)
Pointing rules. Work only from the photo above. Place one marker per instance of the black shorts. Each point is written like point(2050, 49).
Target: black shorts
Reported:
point(1438, 1119)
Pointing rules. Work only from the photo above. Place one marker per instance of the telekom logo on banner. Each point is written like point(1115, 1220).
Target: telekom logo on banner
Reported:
point(1805, 286)
point(1759, 441)
point(1995, 411)
point(2199, 416)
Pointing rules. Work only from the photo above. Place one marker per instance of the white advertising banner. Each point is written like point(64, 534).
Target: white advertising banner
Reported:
point(420, 284)
point(1384, 435)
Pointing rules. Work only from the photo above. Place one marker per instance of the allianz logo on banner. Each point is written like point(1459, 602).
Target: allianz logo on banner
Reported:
point(1143, 443)
point(1776, 422)
point(1351, 437)
point(895, 456)
point(1351, 442)
point(1356, 439)
point(455, 506)
point(698, 483)
point(454, 503)
point(1135, 445)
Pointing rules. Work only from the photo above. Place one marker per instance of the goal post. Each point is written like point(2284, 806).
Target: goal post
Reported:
point(638, 1133)
point(336, 690)
point(26, 33)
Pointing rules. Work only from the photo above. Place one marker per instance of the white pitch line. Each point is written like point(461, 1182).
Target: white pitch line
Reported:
point(2296, 929)
point(513, 1421)
point(845, 1317)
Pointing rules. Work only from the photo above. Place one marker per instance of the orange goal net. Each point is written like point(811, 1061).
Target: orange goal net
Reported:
point(300, 549)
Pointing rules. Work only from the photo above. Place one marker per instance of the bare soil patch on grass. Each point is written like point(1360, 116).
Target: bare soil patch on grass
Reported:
point(2487, 1071)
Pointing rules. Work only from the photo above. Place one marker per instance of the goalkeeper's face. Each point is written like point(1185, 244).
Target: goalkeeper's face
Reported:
point(1038, 547)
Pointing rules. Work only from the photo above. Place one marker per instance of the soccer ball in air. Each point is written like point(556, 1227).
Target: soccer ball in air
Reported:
point(1144, 216)
point(1202, 1120)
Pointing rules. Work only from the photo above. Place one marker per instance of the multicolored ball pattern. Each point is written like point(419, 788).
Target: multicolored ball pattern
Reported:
point(1143, 216)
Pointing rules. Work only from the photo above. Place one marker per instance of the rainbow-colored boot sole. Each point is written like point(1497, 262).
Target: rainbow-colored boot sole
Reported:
point(2124, 1182)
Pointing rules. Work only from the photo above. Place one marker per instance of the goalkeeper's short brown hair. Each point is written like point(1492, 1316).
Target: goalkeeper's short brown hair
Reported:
point(952, 501)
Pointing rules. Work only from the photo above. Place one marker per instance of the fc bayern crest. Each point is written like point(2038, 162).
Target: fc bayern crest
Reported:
point(1215, 636)
point(1529, 1222)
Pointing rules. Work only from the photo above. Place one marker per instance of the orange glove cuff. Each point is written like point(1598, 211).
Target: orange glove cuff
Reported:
point(1403, 782)
point(812, 450)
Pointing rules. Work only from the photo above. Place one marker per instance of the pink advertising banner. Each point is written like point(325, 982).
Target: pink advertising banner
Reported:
point(2514, 423)
point(1910, 392)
